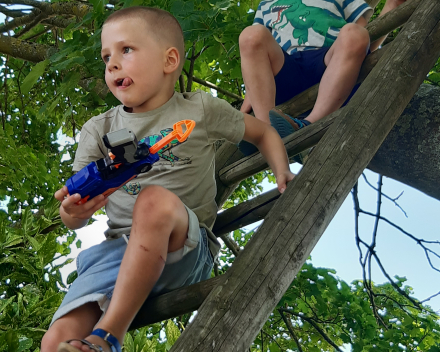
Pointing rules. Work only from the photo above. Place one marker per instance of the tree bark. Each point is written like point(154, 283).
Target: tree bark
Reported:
point(236, 309)
point(411, 152)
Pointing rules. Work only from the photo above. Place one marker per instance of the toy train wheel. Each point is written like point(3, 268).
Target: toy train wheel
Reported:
point(143, 168)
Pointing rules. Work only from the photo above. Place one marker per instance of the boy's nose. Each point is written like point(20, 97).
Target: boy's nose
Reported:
point(112, 65)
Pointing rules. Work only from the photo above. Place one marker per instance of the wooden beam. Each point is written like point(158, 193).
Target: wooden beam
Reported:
point(236, 309)
point(245, 213)
point(392, 20)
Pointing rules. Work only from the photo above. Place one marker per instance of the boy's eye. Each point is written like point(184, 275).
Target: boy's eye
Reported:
point(106, 58)
point(127, 50)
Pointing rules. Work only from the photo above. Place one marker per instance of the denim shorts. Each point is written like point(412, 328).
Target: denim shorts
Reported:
point(98, 269)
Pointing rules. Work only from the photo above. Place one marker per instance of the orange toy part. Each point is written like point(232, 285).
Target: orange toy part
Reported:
point(177, 133)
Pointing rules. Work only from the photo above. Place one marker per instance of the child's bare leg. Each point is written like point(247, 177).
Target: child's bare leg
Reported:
point(343, 61)
point(76, 324)
point(160, 225)
point(261, 59)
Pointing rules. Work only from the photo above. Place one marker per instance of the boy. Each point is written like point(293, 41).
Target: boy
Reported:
point(295, 44)
point(168, 211)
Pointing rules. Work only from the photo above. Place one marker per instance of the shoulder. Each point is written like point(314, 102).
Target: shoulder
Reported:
point(99, 121)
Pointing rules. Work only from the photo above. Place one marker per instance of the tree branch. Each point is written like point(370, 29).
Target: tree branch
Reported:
point(217, 88)
point(290, 328)
point(316, 326)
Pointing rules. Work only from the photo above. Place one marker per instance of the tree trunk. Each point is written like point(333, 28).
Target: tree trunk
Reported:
point(236, 309)
point(411, 152)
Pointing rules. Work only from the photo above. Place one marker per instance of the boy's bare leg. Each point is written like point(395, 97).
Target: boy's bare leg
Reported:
point(261, 59)
point(160, 225)
point(76, 324)
point(343, 60)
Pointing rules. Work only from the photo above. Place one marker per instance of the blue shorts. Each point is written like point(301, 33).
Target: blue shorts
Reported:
point(301, 70)
point(98, 268)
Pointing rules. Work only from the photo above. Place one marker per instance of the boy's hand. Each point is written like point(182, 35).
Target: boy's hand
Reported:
point(76, 215)
point(283, 179)
point(268, 141)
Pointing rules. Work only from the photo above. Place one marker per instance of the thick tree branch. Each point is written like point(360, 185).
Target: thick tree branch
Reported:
point(20, 21)
point(31, 25)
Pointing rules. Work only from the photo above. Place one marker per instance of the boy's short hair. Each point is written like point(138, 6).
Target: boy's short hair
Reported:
point(161, 24)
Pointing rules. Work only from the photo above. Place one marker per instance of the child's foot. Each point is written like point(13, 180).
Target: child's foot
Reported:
point(284, 125)
point(93, 343)
point(296, 124)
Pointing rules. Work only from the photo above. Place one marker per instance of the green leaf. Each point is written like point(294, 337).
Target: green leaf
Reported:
point(24, 343)
point(11, 338)
point(33, 76)
point(172, 332)
point(128, 344)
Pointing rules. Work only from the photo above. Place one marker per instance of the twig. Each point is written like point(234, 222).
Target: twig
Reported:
point(394, 200)
point(290, 328)
point(217, 88)
point(431, 297)
point(231, 244)
point(191, 69)
point(311, 322)
point(403, 293)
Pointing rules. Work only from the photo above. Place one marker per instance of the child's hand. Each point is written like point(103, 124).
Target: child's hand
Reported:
point(79, 211)
point(282, 180)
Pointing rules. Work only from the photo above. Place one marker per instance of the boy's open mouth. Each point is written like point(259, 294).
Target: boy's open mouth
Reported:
point(123, 82)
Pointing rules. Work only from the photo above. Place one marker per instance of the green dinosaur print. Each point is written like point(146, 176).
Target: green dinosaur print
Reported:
point(303, 17)
point(166, 152)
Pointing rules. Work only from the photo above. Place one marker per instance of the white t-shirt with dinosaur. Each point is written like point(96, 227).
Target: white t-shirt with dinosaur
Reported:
point(308, 24)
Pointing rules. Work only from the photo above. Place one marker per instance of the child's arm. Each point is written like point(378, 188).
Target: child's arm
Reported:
point(267, 140)
point(75, 216)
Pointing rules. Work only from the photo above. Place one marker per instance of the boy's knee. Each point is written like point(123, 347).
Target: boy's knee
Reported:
point(156, 200)
point(252, 39)
point(354, 39)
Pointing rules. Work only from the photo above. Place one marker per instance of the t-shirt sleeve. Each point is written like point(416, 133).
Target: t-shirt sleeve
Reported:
point(354, 9)
point(222, 120)
point(258, 19)
point(90, 148)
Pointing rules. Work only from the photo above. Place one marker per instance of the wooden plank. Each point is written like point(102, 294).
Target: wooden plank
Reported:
point(236, 309)
point(390, 21)
point(245, 213)
point(175, 303)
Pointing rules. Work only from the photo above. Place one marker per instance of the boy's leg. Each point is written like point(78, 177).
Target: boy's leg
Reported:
point(76, 324)
point(343, 60)
point(160, 225)
point(261, 59)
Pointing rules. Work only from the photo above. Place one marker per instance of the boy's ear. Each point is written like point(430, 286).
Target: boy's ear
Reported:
point(172, 60)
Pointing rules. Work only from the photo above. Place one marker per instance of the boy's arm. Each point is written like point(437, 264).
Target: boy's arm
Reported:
point(267, 140)
point(75, 216)
point(389, 5)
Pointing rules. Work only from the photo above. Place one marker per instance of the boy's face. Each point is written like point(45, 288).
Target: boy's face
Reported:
point(134, 65)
